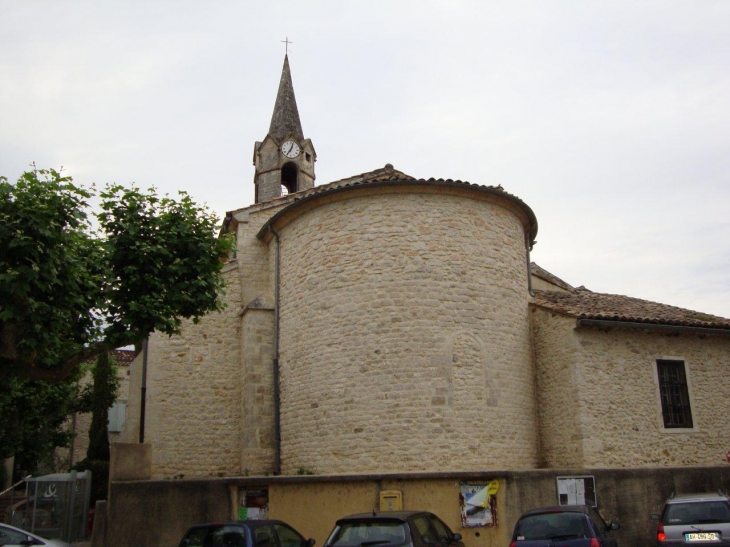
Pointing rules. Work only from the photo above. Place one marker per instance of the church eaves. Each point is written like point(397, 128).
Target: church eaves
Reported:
point(285, 120)
point(587, 305)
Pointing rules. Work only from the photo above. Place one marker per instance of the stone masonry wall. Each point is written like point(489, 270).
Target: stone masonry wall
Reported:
point(617, 392)
point(193, 393)
point(633, 434)
point(269, 164)
point(257, 384)
point(257, 394)
point(405, 340)
point(559, 395)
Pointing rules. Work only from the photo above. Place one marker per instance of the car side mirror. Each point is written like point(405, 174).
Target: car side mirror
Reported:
point(614, 526)
point(310, 542)
point(455, 538)
point(27, 541)
point(654, 516)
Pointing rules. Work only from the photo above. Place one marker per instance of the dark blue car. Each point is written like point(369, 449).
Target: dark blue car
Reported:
point(249, 533)
point(563, 526)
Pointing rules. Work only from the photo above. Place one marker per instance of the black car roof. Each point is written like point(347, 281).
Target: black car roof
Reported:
point(382, 515)
point(239, 523)
point(558, 509)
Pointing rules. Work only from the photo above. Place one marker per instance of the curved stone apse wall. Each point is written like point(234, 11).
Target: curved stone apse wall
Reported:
point(404, 341)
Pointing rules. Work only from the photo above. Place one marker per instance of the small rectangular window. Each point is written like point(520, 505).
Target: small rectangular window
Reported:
point(674, 394)
point(117, 413)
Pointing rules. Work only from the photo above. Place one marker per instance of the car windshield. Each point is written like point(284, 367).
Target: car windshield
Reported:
point(705, 512)
point(555, 526)
point(365, 533)
point(215, 536)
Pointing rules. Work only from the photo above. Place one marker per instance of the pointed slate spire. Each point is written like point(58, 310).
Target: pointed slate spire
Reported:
point(285, 120)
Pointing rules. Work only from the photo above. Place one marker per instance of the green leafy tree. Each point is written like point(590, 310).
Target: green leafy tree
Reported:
point(69, 292)
point(98, 397)
point(75, 284)
point(32, 418)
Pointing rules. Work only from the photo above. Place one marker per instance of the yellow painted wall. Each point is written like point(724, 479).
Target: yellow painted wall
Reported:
point(313, 508)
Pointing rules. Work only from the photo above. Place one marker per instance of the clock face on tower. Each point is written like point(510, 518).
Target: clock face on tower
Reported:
point(290, 149)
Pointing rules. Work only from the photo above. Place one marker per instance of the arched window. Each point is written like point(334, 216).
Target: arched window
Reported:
point(289, 174)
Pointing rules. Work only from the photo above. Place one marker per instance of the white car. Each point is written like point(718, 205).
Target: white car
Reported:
point(10, 536)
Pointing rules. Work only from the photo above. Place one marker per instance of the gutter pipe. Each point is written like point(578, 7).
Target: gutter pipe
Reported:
point(143, 397)
point(528, 248)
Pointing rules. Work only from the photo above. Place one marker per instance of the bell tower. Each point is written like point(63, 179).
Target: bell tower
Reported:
point(284, 160)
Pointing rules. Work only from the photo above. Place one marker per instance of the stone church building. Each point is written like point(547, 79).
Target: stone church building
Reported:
point(395, 328)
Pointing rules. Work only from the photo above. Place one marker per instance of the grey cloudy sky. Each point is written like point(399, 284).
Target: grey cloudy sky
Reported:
point(611, 119)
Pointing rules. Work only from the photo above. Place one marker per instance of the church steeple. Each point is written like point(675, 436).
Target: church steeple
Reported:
point(285, 120)
point(284, 160)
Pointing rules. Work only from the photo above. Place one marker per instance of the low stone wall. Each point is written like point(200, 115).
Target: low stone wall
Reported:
point(157, 513)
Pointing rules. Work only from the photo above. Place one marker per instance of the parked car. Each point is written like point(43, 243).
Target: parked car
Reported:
point(694, 519)
point(563, 526)
point(384, 528)
point(10, 536)
point(249, 533)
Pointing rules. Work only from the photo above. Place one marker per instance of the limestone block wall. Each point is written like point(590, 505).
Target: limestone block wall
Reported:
point(617, 392)
point(130, 429)
point(255, 277)
point(257, 393)
point(405, 338)
point(193, 393)
point(270, 160)
point(561, 399)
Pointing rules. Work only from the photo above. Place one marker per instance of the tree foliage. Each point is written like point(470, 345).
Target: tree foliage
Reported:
point(104, 391)
point(32, 415)
point(97, 398)
point(75, 284)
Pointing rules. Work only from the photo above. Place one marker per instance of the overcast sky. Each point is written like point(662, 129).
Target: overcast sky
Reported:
point(610, 119)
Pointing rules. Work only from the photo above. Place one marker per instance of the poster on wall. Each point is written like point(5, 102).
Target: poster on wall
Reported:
point(253, 503)
point(478, 503)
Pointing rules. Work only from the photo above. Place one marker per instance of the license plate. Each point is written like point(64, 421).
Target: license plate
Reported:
point(702, 536)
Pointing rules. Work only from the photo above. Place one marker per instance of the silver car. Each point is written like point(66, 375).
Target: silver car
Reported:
point(694, 519)
point(10, 536)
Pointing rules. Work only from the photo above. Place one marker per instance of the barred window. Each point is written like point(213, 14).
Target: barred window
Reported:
point(674, 394)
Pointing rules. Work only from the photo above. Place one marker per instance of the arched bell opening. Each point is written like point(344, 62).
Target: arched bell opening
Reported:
point(289, 177)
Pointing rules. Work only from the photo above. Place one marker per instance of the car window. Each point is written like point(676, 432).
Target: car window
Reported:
point(215, 536)
point(263, 536)
point(11, 537)
point(195, 537)
point(598, 523)
point(226, 536)
point(366, 533)
point(705, 512)
point(427, 532)
point(553, 526)
point(442, 531)
point(288, 537)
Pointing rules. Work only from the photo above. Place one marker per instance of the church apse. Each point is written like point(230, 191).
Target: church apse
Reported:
point(378, 292)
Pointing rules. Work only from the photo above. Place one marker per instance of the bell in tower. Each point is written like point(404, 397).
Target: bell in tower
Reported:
point(284, 160)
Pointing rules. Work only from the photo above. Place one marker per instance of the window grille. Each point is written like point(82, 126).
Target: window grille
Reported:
point(674, 394)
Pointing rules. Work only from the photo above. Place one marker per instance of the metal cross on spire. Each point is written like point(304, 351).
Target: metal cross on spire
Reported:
point(287, 42)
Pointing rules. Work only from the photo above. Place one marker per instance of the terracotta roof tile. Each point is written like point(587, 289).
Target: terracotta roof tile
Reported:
point(542, 273)
point(124, 357)
point(584, 304)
